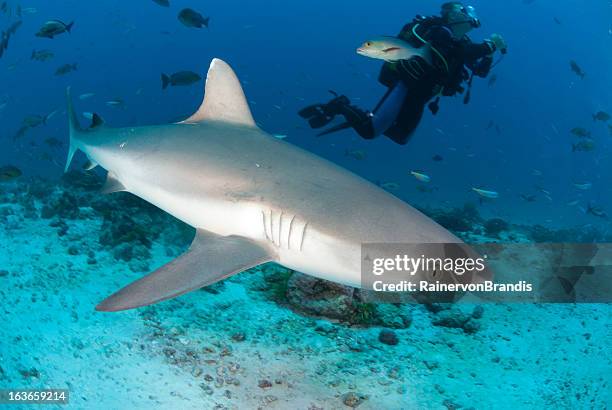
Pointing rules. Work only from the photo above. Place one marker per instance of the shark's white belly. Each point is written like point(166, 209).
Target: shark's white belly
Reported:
point(297, 243)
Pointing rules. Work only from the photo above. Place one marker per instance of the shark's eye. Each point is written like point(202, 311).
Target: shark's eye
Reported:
point(368, 44)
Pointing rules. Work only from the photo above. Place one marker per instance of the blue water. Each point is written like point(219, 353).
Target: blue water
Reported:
point(288, 54)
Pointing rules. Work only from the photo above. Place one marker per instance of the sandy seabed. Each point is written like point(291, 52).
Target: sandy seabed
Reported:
point(235, 348)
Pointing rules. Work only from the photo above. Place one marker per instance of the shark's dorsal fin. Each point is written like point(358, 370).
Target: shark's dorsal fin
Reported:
point(224, 99)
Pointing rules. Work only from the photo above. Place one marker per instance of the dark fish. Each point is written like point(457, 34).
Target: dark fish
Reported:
point(601, 116)
point(610, 128)
point(41, 55)
point(9, 172)
point(53, 28)
point(45, 156)
point(492, 80)
point(6, 36)
point(596, 211)
point(21, 132)
point(556, 20)
point(192, 18)
point(34, 121)
point(528, 198)
point(180, 78)
point(4, 42)
point(65, 69)
point(54, 142)
point(358, 154)
point(585, 144)
point(576, 69)
point(4, 7)
point(490, 125)
point(437, 158)
point(425, 189)
point(580, 132)
point(163, 3)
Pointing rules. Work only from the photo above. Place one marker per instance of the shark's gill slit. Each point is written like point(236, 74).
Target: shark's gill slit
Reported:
point(269, 225)
point(264, 224)
point(303, 235)
point(280, 229)
point(289, 232)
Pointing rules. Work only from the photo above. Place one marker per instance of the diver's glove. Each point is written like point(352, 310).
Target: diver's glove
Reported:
point(499, 43)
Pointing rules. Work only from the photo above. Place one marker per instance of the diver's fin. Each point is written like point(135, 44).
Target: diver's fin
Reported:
point(320, 121)
point(89, 165)
point(311, 111)
point(224, 99)
point(335, 128)
point(209, 259)
point(112, 184)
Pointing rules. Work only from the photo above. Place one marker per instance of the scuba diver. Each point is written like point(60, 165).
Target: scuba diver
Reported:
point(413, 82)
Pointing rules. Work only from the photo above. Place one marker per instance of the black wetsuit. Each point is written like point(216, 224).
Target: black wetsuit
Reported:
point(424, 81)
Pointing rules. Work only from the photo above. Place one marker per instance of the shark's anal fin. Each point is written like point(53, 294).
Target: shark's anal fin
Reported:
point(209, 259)
point(112, 184)
point(224, 99)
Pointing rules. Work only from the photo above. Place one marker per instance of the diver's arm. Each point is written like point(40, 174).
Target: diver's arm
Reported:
point(479, 57)
point(474, 51)
point(482, 66)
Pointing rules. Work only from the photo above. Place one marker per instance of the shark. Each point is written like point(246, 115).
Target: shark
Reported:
point(252, 198)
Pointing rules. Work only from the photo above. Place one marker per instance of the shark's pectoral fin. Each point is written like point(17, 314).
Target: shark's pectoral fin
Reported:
point(209, 259)
point(224, 99)
point(112, 184)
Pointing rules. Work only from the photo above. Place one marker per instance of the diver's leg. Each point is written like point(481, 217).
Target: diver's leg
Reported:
point(389, 107)
point(367, 124)
point(408, 119)
point(371, 124)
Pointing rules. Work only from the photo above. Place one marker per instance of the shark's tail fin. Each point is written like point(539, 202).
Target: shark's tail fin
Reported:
point(74, 127)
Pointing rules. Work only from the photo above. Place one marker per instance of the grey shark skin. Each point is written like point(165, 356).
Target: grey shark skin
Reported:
point(251, 197)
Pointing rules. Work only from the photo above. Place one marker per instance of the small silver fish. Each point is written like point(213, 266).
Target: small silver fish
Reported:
point(421, 176)
point(86, 96)
point(486, 194)
point(584, 187)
